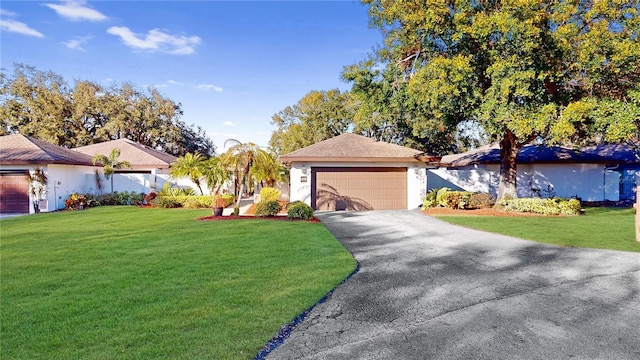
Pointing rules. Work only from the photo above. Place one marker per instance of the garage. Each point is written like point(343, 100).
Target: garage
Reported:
point(369, 188)
point(357, 173)
point(14, 192)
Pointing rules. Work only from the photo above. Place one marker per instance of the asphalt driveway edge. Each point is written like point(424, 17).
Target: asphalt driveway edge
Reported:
point(286, 330)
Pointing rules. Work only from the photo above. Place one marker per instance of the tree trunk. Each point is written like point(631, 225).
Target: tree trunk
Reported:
point(509, 148)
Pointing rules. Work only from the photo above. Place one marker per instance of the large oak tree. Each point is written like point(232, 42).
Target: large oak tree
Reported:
point(524, 70)
point(319, 115)
point(42, 105)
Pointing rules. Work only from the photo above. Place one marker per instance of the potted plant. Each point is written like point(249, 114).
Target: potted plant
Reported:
point(218, 205)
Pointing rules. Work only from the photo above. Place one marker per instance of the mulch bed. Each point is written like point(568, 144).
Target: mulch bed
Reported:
point(252, 217)
point(249, 215)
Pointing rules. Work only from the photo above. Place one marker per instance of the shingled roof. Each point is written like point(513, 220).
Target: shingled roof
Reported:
point(350, 147)
point(18, 149)
point(540, 154)
point(135, 153)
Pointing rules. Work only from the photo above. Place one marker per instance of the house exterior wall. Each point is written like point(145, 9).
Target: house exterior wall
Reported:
point(65, 180)
point(142, 183)
point(589, 182)
point(301, 190)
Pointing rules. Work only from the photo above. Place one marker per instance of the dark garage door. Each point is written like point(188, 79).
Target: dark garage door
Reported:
point(14, 193)
point(359, 188)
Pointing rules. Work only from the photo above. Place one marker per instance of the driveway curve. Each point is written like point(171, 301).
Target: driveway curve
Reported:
point(430, 290)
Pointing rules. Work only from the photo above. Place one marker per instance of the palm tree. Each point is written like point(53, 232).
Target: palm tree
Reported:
point(241, 158)
point(111, 163)
point(215, 174)
point(268, 169)
point(189, 165)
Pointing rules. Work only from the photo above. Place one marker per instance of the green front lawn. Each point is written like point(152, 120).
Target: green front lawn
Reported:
point(130, 283)
point(600, 228)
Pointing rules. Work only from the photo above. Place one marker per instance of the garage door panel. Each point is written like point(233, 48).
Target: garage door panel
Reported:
point(359, 188)
point(14, 193)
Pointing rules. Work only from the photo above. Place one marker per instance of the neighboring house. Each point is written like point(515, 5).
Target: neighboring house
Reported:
point(72, 171)
point(353, 172)
point(597, 173)
point(149, 167)
point(66, 170)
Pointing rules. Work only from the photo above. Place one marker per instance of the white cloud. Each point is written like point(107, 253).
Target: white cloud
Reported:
point(156, 40)
point(77, 42)
point(15, 26)
point(77, 11)
point(228, 123)
point(7, 13)
point(208, 87)
point(173, 82)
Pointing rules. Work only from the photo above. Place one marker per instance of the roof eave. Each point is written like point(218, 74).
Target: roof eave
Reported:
point(307, 159)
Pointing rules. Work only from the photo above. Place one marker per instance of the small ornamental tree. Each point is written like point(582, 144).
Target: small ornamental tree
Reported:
point(38, 182)
point(111, 163)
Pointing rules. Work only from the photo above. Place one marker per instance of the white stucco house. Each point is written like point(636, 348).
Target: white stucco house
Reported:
point(149, 167)
point(353, 172)
point(67, 171)
point(596, 173)
point(72, 171)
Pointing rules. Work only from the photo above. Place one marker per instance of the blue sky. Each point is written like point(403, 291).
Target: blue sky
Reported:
point(231, 64)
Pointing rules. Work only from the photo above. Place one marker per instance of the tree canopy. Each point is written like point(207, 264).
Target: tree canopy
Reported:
point(318, 116)
point(524, 70)
point(41, 104)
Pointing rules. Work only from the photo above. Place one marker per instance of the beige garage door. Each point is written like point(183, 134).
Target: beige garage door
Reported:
point(14, 193)
point(359, 188)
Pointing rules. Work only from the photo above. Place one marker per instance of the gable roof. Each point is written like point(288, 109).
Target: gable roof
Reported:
point(131, 151)
point(540, 154)
point(350, 147)
point(18, 149)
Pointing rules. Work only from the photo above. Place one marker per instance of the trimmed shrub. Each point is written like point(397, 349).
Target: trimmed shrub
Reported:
point(194, 202)
point(481, 201)
point(269, 194)
point(167, 190)
point(457, 199)
point(299, 210)
point(152, 195)
point(555, 206)
point(267, 208)
point(441, 196)
point(191, 203)
point(165, 202)
point(430, 199)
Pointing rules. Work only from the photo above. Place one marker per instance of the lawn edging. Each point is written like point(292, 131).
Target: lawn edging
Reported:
point(286, 330)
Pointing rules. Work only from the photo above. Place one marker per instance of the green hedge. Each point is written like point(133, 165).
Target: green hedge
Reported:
point(553, 206)
point(267, 208)
point(191, 202)
point(299, 210)
point(445, 197)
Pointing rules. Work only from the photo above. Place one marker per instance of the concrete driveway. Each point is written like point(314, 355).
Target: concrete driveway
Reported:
point(430, 290)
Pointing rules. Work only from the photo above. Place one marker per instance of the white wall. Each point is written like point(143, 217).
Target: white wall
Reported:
point(301, 190)
point(142, 183)
point(587, 181)
point(65, 180)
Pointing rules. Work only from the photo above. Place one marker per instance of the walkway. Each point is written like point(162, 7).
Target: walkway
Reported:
point(430, 290)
